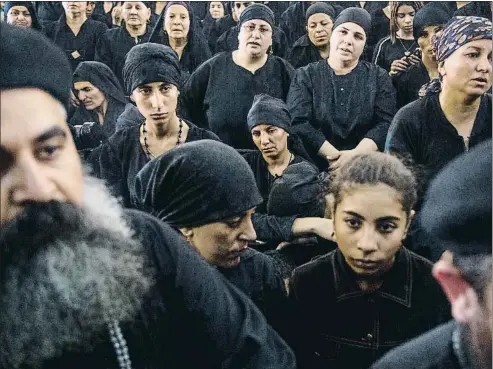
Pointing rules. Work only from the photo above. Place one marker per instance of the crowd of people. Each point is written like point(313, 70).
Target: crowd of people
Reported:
point(246, 185)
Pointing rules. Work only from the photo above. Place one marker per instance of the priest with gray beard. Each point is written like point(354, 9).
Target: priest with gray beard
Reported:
point(83, 282)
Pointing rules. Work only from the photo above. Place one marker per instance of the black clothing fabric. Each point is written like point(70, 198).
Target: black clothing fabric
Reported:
point(269, 110)
point(20, 69)
point(220, 93)
point(130, 117)
point(342, 109)
point(257, 11)
point(277, 7)
point(189, 308)
point(337, 325)
point(386, 52)
point(475, 8)
point(113, 46)
point(200, 9)
point(355, 15)
point(122, 157)
point(150, 62)
point(303, 53)
point(80, 47)
point(463, 225)
point(103, 78)
point(432, 350)
point(229, 41)
point(428, 16)
point(48, 11)
point(195, 52)
point(292, 21)
point(408, 84)
point(197, 184)
point(29, 6)
point(220, 26)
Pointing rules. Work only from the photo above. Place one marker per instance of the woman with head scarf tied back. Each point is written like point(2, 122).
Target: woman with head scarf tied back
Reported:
point(215, 10)
point(115, 43)
point(455, 113)
point(371, 294)
point(427, 23)
point(314, 45)
point(220, 92)
point(152, 77)
point(207, 192)
point(179, 29)
point(342, 106)
point(397, 52)
point(21, 13)
point(269, 122)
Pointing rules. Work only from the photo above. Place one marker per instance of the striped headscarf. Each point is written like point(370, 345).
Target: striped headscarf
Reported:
point(458, 32)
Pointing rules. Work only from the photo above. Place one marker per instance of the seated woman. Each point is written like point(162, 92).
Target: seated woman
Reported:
point(427, 23)
point(101, 98)
point(269, 122)
point(314, 45)
point(343, 105)
point(207, 192)
point(370, 294)
point(396, 52)
point(220, 92)
point(115, 43)
point(179, 29)
point(152, 76)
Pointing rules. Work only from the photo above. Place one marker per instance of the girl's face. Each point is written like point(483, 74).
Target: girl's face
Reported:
point(370, 225)
point(216, 9)
point(405, 17)
point(156, 101)
point(177, 21)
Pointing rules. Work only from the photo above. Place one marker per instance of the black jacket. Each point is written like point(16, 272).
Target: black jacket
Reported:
point(303, 53)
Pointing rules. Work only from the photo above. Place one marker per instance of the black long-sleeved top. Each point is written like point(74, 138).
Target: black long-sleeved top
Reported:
point(191, 318)
point(77, 48)
point(342, 109)
point(303, 53)
point(220, 93)
point(122, 157)
point(229, 41)
point(408, 84)
point(337, 325)
point(293, 22)
point(219, 26)
point(386, 52)
point(113, 46)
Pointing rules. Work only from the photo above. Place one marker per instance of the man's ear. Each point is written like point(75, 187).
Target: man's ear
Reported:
point(461, 295)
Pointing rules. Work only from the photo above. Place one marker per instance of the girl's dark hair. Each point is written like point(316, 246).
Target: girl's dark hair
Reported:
point(375, 168)
point(394, 7)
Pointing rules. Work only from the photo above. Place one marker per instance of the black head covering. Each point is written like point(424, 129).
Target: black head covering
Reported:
point(257, 11)
point(29, 59)
point(320, 7)
point(197, 183)
point(355, 15)
point(299, 191)
point(269, 110)
point(148, 63)
point(30, 8)
point(102, 77)
point(428, 16)
point(457, 208)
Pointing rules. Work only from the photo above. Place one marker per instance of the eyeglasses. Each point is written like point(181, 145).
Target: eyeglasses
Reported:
point(262, 29)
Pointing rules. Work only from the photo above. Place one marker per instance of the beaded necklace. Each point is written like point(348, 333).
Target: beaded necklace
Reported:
point(146, 145)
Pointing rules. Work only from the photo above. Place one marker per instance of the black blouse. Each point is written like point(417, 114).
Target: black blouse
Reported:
point(408, 84)
point(303, 53)
point(386, 52)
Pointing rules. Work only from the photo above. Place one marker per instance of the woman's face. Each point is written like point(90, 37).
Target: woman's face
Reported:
point(405, 17)
point(177, 22)
point(19, 16)
point(222, 243)
point(272, 141)
point(156, 101)
point(255, 37)
point(319, 29)
point(135, 13)
point(216, 9)
point(89, 95)
point(347, 42)
point(370, 225)
point(468, 69)
point(425, 40)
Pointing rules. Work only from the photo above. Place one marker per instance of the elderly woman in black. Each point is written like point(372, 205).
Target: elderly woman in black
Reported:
point(220, 92)
point(179, 29)
point(152, 79)
point(207, 192)
point(342, 106)
point(315, 45)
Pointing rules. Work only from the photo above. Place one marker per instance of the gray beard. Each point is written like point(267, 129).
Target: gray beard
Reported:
point(66, 293)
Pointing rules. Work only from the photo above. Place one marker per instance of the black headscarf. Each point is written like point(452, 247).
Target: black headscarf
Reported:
point(299, 191)
point(29, 59)
point(257, 11)
point(357, 16)
point(30, 7)
point(428, 16)
point(269, 110)
point(149, 62)
point(320, 7)
point(197, 183)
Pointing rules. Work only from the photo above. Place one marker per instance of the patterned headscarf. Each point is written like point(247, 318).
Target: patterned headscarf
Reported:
point(458, 32)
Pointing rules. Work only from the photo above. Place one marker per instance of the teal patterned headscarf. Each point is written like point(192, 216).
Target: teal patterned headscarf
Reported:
point(458, 32)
